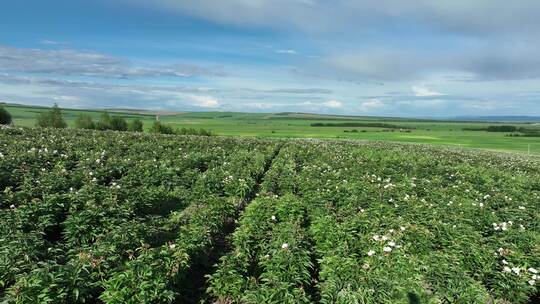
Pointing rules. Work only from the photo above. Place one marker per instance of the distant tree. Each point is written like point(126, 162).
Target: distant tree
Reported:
point(104, 122)
point(84, 121)
point(191, 131)
point(5, 117)
point(51, 119)
point(203, 132)
point(159, 128)
point(118, 124)
point(501, 129)
point(136, 125)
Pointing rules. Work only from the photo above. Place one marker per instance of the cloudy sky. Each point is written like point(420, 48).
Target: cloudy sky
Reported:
point(399, 58)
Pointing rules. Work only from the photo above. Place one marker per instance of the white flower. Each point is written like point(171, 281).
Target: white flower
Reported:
point(521, 207)
point(391, 244)
point(370, 253)
point(284, 246)
point(532, 270)
point(504, 262)
point(273, 218)
point(12, 206)
point(387, 249)
point(402, 228)
point(365, 266)
point(172, 246)
point(516, 270)
point(384, 238)
point(507, 269)
point(376, 237)
point(531, 282)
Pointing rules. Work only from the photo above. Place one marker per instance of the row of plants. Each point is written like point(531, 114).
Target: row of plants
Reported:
point(81, 208)
point(270, 260)
point(390, 223)
point(121, 217)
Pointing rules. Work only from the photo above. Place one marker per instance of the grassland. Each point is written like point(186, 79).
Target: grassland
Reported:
point(297, 125)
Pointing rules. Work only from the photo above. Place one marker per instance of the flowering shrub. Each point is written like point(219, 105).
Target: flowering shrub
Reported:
point(120, 217)
point(116, 216)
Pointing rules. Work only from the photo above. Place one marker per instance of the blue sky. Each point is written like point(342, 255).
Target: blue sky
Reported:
point(399, 58)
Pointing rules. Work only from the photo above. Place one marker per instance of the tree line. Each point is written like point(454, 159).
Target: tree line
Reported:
point(5, 117)
point(54, 119)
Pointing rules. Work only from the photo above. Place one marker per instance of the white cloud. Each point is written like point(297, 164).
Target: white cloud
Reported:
point(66, 98)
point(260, 105)
point(204, 101)
point(481, 61)
point(69, 62)
point(476, 16)
point(289, 52)
point(334, 104)
point(51, 42)
point(371, 104)
point(421, 91)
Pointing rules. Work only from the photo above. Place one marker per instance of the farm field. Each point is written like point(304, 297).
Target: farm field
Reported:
point(295, 125)
point(122, 217)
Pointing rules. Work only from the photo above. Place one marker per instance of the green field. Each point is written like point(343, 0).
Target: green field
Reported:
point(290, 125)
point(125, 217)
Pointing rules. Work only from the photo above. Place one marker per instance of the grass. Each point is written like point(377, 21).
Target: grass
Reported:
point(298, 125)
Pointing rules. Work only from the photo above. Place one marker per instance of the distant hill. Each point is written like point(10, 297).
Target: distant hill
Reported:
point(507, 118)
point(299, 115)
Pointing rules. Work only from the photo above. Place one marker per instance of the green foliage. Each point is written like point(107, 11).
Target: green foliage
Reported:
point(118, 124)
point(5, 117)
point(501, 128)
point(51, 119)
point(135, 125)
point(159, 128)
point(191, 131)
point(84, 121)
point(360, 124)
point(125, 217)
point(104, 122)
point(86, 217)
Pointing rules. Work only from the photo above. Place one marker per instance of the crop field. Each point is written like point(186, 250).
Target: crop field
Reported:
point(298, 125)
point(122, 217)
